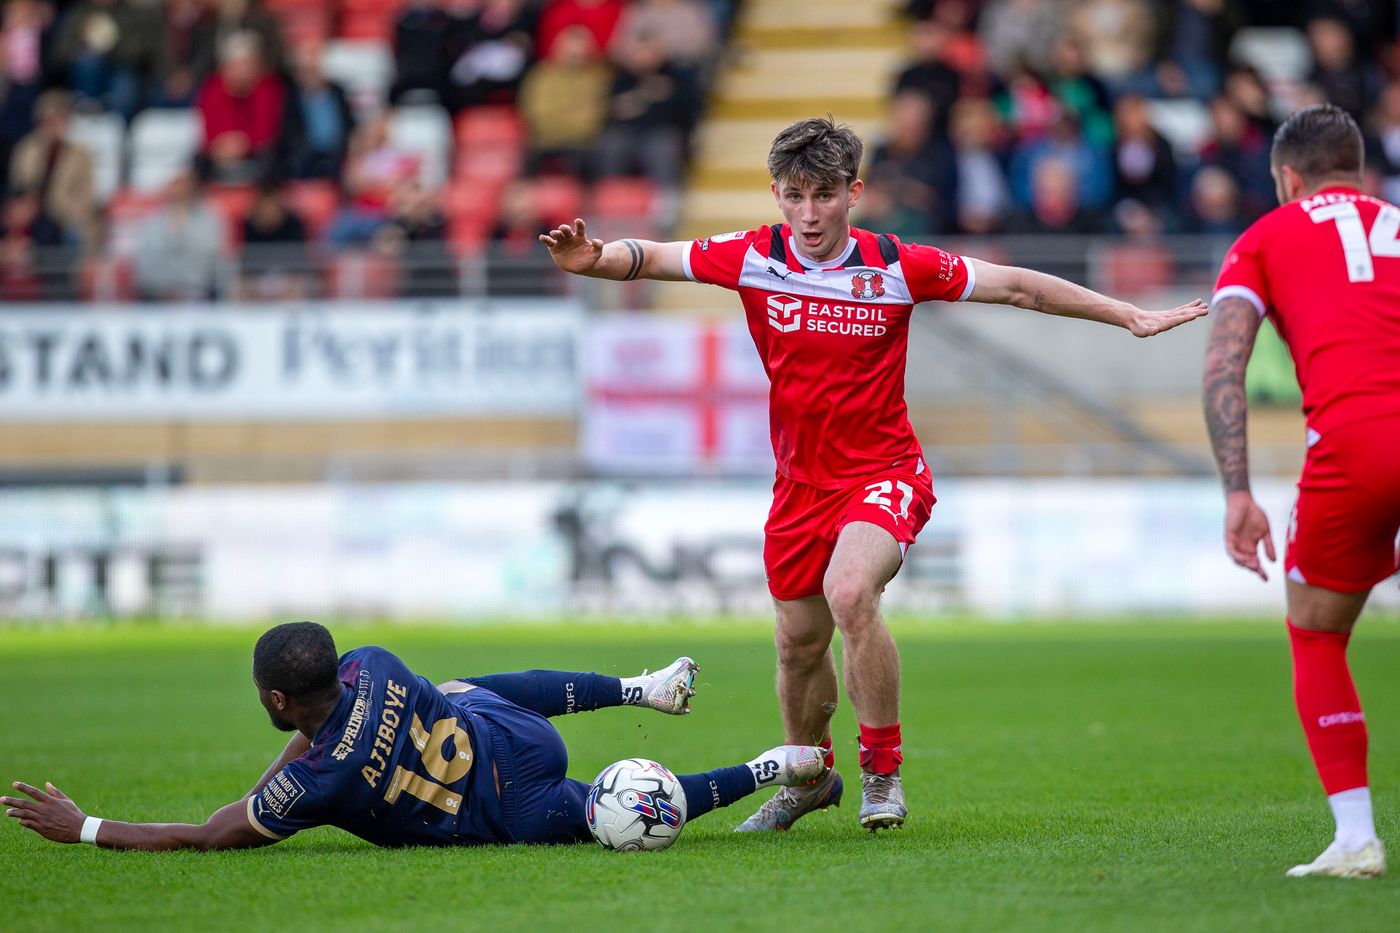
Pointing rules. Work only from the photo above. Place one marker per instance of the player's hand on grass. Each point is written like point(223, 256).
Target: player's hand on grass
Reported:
point(1151, 323)
point(1246, 526)
point(571, 249)
point(50, 813)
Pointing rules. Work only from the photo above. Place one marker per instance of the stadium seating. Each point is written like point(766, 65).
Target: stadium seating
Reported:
point(103, 136)
point(426, 131)
point(233, 202)
point(364, 68)
point(368, 19)
point(162, 143)
point(1276, 52)
point(125, 212)
point(315, 202)
point(362, 275)
point(471, 210)
point(558, 198)
point(1184, 123)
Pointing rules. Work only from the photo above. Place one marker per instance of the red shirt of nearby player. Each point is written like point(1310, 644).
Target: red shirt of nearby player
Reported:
point(1325, 271)
point(833, 338)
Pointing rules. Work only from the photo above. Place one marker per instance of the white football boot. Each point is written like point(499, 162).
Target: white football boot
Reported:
point(668, 690)
point(807, 785)
point(1336, 862)
point(882, 801)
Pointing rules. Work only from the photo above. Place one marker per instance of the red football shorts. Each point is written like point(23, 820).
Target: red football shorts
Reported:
point(804, 522)
point(1342, 536)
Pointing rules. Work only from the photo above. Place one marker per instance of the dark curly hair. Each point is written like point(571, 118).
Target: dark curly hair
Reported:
point(297, 658)
point(816, 152)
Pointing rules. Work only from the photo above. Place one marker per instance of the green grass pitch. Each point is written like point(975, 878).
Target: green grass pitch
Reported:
point(1143, 776)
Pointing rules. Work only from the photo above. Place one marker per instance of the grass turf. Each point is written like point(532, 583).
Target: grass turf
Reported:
point(1146, 776)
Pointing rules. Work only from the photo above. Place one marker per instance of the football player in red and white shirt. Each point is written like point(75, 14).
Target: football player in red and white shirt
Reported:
point(828, 307)
point(1325, 268)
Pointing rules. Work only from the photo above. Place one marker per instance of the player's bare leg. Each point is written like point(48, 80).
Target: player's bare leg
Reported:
point(1320, 623)
point(865, 558)
point(807, 697)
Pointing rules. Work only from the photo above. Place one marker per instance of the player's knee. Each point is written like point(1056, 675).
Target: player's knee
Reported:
point(853, 605)
point(800, 651)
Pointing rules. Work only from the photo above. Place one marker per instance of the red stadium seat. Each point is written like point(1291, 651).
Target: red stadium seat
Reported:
point(625, 197)
point(107, 278)
point(558, 199)
point(315, 202)
point(126, 211)
point(363, 275)
point(489, 127)
point(233, 202)
point(304, 24)
point(492, 167)
point(1134, 268)
point(471, 213)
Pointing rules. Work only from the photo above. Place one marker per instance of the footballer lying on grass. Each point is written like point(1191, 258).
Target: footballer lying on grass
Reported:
point(388, 757)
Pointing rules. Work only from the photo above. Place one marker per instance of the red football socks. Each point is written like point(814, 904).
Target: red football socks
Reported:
point(830, 756)
point(1328, 707)
point(880, 749)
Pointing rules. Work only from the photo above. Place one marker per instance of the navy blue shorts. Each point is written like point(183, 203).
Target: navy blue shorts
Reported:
point(539, 803)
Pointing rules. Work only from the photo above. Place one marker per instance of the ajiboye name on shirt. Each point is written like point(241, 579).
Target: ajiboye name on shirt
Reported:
point(787, 314)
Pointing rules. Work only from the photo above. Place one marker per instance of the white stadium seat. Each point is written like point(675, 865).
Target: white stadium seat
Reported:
point(364, 68)
point(102, 135)
point(426, 131)
point(1279, 53)
point(162, 143)
point(1183, 123)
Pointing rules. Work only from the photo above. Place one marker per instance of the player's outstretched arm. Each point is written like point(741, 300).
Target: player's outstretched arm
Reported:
point(1037, 291)
point(621, 260)
point(52, 815)
point(297, 746)
point(1226, 408)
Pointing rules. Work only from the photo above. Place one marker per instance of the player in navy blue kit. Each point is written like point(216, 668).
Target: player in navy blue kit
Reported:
point(387, 756)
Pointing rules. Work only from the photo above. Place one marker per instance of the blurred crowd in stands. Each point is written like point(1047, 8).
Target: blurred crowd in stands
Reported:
point(1125, 117)
point(145, 142)
point(148, 140)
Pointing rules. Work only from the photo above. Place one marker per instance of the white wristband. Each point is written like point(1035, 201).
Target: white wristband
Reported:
point(89, 833)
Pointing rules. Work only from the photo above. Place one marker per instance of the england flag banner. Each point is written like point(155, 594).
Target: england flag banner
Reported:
point(674, 396)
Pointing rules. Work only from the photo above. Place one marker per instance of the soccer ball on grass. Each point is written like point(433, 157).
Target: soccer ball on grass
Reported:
point(636, 804)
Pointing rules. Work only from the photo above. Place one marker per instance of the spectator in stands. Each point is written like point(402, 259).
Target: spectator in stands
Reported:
point(1246, 89)
point(1143, 162)
point(234, 17)
point(914, 167)
point(686, 28)
point(179, 248)
point(317, 120)
point(187, 23)
point(1197, 37)
point(421, 40)
point(1065, 144)
point(511, 268)
point(983, 199)
point(564, 101)
point(929, 74)
point(1055, 206)
point(1021, 33)
point(1343, 78)
point(1215, 204)
point(1082, 93)
point(649, 112)
point(275, 266)
point(1237, 146)
point(374, 169)
point(1385, 154)
point(104, 48)
point(599, 17)
point(1027, 106)
point(417, 231)
point(1117, 36)
point(880, 209)
point(58, 173)
point(19, 278)
point(242, 105)
point(22, 27)
point(490, 52)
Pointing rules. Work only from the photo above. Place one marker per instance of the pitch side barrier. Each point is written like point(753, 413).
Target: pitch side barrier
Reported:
point(998, 548)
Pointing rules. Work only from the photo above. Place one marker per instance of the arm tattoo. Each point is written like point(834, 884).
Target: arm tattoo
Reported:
point(1223, 396)
point(1039, 303)
point(638, 257)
